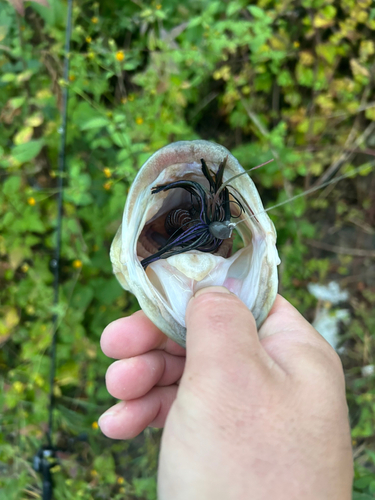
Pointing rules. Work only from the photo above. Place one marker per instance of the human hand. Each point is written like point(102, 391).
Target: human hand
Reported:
point(246, 416)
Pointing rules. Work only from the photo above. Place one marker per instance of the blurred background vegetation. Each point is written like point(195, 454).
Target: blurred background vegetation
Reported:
point(292, 80)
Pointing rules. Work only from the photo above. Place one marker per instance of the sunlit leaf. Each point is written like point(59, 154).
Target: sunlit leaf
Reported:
point(35, 120)
point(358, 69)
point(26, 152)
point(98, 122)
point(23, 136)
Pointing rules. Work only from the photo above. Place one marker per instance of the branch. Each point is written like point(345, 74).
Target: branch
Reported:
point(355, 252)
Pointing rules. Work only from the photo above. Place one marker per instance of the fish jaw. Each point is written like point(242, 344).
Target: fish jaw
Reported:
point(166, 286)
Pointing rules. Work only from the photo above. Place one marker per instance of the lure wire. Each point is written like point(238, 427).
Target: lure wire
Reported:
point(226, 183)
point(307, 192)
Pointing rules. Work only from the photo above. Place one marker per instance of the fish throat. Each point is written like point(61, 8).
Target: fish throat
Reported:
point(205, 223)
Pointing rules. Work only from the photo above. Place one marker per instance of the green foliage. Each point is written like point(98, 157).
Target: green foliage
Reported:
point(267, 80)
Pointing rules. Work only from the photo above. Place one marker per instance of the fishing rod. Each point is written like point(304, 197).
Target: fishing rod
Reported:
point(44, 459)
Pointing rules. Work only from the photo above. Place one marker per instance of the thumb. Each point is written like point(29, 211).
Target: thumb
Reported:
point(221, 333)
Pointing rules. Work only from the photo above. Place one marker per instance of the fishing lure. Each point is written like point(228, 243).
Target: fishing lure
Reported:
point(205, 224)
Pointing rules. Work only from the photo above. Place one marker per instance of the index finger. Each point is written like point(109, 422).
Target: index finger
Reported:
point(135, 335)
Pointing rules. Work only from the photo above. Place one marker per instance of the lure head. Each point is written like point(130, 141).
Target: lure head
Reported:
point(221, 229)
point(163, 287)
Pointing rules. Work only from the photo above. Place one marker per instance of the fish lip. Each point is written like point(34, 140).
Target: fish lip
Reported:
point(125, 260)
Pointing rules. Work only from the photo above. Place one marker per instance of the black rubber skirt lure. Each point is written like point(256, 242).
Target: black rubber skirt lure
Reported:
point(205, 224)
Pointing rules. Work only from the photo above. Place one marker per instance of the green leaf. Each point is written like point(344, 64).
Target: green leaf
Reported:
point(17, 102)
point(233, 8)
point(28, 151)
point(11, 186)
point(106, 291)
point(54, 15)
point(259, 13)
point(5, 23)
point(105, 466)
point(24, 76)
point(363, 482)
point(83, 112)
point(120, 139)
point(370, 113)
point(361, 496)
point(327, 51)
point(30, 222)
point(98, 122)
point(3, 32)
point(82, 296)
point(8, 77)
point(145, 487)
point(195, 21)
point(23, 136)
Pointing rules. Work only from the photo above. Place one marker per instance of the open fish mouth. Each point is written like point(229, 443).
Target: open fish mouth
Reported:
point(176, 235)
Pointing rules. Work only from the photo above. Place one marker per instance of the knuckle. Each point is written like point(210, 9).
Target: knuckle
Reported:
point(323, 365)
point(218, 307)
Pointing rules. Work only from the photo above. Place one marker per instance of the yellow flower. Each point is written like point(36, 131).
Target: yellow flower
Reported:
point(91, 54)
point(88, 39)
point(39, 380)
point(296, 45)
point(158, 7)
point(120, 56)
point(107, 172)
point(18, 386)
point(95, 425)
point(25, 267)
point(94, 473)
point(31, 201)
point(72, 78)
point(107, 185)
point(120, 480)
point(139, 120)
point(77, 264)
point(30, 310)
point(94, 20)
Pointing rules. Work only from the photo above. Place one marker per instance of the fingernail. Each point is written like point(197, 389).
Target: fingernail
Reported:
point(211, 289)
point(112, 412)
